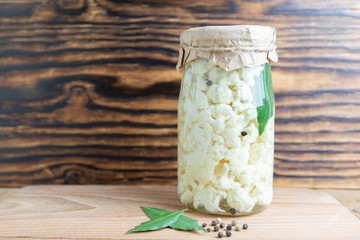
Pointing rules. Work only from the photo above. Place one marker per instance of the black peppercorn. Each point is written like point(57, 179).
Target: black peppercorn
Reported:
point(228, 233)
point(220, 234)
point(243, 133)
point(216, 228)
point(208, 82)
point(245, 226)
point(204, 225)
point(209, 230)
point(213, 223)
point(222, 225)
point(229, 227)
point(232, 211)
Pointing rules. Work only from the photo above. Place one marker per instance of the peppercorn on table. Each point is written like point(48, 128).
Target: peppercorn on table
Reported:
point(107, 212)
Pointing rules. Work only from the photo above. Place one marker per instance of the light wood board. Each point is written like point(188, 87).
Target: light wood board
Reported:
point(349, 198)
point(6, 191)
point(107, 212)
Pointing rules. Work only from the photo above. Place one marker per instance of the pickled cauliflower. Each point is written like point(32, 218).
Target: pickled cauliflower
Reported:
point(223, 162)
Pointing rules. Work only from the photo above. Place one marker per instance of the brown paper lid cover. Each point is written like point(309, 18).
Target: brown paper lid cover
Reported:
point(230, 47)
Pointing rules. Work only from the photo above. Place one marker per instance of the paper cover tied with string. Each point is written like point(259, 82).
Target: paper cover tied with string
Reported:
point(229, 47)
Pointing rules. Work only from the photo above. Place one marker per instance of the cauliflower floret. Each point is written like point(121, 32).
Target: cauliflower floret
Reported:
point(221, 113)
point(218, 76)
point(232, 137)
point(186, 84)
point(263, 192)
point(209, 197)
point(201, 66)
point(225, 183)
point(198, 137)
point(250, 75)
point(200, 83)
point(205, 120)
point(238, 159)
point(235, 121)
point(219, 126)
point(261, 152)
point(190, 112)
point(245, 93)
point(224, 180)
point(240, 106)
point(199, 161)
point(201, 100)
point(218, 149)
point(203, 175)
point(249, 176)
point(252, 133)
point(249, 114)
point(240, 199)
point(186, 196)
point(234, 78)
point(219, 94)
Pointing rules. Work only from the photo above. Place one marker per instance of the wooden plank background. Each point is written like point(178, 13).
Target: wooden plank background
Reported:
point(88, 88)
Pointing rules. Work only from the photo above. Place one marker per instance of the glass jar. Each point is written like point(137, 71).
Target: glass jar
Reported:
point(225, 133)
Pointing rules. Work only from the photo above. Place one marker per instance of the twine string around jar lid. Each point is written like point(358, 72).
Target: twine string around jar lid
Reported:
point(269, 47)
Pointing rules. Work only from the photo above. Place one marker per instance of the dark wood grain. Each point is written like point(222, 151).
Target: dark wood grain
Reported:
point(88, 88)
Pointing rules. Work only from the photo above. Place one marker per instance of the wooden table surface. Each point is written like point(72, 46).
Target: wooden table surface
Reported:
point(107, 212)
point(349, 198)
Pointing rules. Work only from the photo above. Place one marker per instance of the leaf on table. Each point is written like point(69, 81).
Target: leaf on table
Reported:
point(265, 111)
point(158, 223)
point(182, 223)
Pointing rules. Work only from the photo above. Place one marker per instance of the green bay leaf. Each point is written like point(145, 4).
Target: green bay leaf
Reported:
point(265, 111)
point(182, 223)
point(158, 222)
